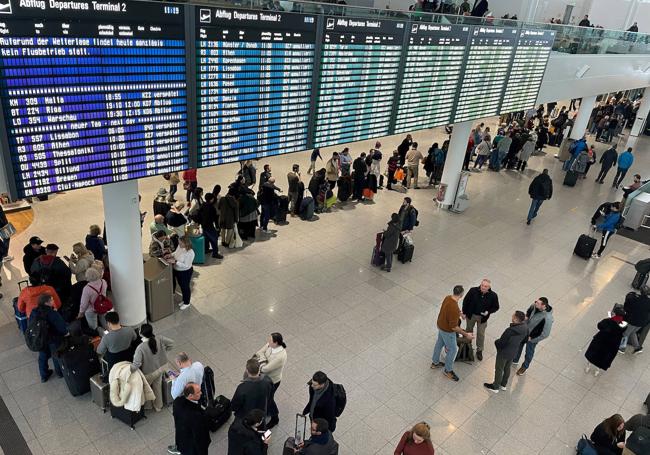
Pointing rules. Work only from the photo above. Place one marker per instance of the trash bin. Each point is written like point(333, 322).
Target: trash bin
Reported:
point(158, 289)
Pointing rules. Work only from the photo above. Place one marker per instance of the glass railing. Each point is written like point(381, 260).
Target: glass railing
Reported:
point(569, 39)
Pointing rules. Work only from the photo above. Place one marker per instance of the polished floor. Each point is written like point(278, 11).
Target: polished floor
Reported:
point(370, 330)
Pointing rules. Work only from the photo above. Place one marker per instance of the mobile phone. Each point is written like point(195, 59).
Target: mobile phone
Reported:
point(171, 374)
point(66, 258)
point(267, 435)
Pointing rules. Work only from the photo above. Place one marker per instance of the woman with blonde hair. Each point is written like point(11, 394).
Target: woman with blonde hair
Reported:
point(95, 243)
point(184, 256)
point(80, 260)
point(95, 286)
point(416, 442)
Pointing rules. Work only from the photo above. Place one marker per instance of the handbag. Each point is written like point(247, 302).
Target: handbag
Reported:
point(186, 185)
point(236, 241)
point(7, 231)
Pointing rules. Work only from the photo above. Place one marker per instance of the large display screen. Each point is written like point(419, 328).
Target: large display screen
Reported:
point(360, 61)
point(486, 71)
point(254, 72)
point(527, 70)
point(434, 63)
point(93, 92)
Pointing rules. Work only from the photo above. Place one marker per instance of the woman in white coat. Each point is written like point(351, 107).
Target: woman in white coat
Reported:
point(273, 357)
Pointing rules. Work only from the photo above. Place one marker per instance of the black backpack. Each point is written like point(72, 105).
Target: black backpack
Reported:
point(340, 398)
point(36, 333)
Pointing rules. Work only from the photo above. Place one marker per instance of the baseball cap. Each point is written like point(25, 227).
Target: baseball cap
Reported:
point(36, 240)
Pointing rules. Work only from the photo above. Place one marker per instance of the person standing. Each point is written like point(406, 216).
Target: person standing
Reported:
point(609, 436)
point(539, 320)
point(360, 171)
point(483, 150)
point(209, 221)
point(174, 180)
point(264, 176)
point(507, 346)
point(53, 271)
point(391, 167)
point(584, 22)
point(293, 178)
point(190, 423)
point(4, 244)
point(608, 228)
point(268, 202)
point(390, 241)
point(526, 152)
point(272, 358)
point(245, 435)
point(30, 295)
point(403, 149)
point(408, 215)
point(322, 403)
point(332, 170)
point(637, 316)
point(56, 330)
point(604, 345)
point(312, 161)
point(321, 441)
point(253, 392)
point(33, 250)
point(189, 372)
point(540, 190)
point(375, 153)
point(607, 161)
point(448, 329)
point(183, 270)
point(479, 303)
point(624, 163)
point(190, 183)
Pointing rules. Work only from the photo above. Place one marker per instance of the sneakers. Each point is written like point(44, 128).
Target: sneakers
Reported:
point(479, 355)
point(451, 375)
point(7, 258)
point(173, 450)
point(595, 256)
point(638, 350)
point(504, 388)
point(621, 351)
point(491, 387)
point(47, 376)
point(587, 368)
point(435, 365)
point(184, 306)
point(515, 363)
point(521, 371)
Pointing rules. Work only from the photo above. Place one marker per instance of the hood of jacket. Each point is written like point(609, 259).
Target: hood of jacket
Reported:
point(540, 323)
point(128, 389)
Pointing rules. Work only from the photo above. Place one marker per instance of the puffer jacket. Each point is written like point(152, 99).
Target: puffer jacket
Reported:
point(539, 323)
point(128, 389)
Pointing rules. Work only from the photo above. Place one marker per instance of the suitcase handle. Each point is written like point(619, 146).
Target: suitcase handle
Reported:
point(298, 436)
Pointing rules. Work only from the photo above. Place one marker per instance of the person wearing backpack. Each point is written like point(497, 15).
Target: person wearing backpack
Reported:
point(322, 403)
point(53, 271)
point(47, 335)
point(92, 293)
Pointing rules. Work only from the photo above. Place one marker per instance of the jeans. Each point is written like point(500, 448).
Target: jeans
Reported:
point(479, 161)
point(184, 277)
point(211, 240)
point(501, 371)
point(265, 217)
point(535, 204)
point(172, 191)
point(448, 340)
point(44, 356)
point(389, 261)
point(630, 336)
point(480, 330)
point(528, 357)
point(620, 175)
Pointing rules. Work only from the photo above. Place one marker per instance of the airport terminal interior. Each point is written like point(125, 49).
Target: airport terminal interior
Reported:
point(371, 330)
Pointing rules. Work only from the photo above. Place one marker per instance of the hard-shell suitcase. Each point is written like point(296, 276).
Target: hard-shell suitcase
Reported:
point(99, 390)
point(640, 280)
point(405, 254)
point(294, 442)
point(570, 178)
point(585, 246)
point(167, 390)
point(344, 188)
point(198, 245)
point(378, 257)
point(219, 413)
point(368, 194)
point(21, 318)
point(126, 416)
point(79, 362)
point(307, 208)
point(282, 210)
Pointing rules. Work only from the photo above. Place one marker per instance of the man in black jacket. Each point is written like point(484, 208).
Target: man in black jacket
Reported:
point(540, 189)
point(637, 316)
point(191, 423)
point(56, 330)
point(322, 403)
point(54, 272)
point(253, 392)
point(507, 346)
point(360, 169)
point(479, 303)
point(32, 251)
point(607, 160)
point(209, 221)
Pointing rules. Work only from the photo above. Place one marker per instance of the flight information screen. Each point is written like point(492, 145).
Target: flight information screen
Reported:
point(527, 70)
point(434, 62)
point(254, 83)
point(486, 71)
point(358, 78)
point(92, 92)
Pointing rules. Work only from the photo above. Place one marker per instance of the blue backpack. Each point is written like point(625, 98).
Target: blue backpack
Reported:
point(585, 446)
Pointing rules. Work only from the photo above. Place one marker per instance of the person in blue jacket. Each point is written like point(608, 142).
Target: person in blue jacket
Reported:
point(608, 227)
point(625, 161)
point(576, 148)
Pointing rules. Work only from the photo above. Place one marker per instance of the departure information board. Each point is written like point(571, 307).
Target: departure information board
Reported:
point(486, 71)
point(527, 70)
point(360, 61)
point(254, 83)
point(434, 63)
point(93, 92)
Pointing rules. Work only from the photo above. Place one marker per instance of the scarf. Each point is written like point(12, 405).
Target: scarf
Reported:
point(317, 396)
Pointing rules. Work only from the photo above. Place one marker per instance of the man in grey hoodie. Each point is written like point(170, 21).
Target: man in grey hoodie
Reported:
point(539, 318)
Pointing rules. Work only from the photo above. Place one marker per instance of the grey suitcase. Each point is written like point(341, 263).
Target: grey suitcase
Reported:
point(99, 391)
point(167, 390)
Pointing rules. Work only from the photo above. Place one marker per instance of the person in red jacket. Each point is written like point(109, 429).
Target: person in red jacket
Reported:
point(190, 183)
point(28, 297)
point(416, 442)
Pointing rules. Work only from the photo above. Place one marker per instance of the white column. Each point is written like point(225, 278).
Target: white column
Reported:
point(639, 121)
point(122, 215)
point(455, 158)
point(528, 10)
point(582, 119)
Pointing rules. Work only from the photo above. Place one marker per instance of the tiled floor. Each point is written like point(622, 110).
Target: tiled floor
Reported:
point(367, 329)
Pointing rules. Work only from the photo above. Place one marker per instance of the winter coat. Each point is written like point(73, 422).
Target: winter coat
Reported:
point(244, 440)
point(207, 216)
point(161, 206)
point(527, 150)
point(611, 220)
point(96, 244)
point(360, 168)
point(605, 444)
point(332, 170)
point(625, 160)
point(637, 309)
point(508, 343)
point(483, 148)
point(609, 158)
point(80, 266)
point(191, 425)
point(252, 393)
point(408, 217)
point(325, 406)
point(54, 272)
point(390, 239)
point(128, 389)
point(272, 364)
point(476, 303)
point(604, 345)
point(30, 255)
point(580, 163)
point(228, 212)
point(314, 446)
point(539, 323)
point(541, 187)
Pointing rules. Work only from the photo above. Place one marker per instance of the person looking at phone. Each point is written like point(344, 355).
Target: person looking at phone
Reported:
point(190, 372)
point(190, 422)
point(245, 436)
point(321, 442)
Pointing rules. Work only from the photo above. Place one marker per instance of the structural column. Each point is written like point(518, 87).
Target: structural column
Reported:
point(582, 119)
point(124, 236)
point(639, 121)
point(455, 158)
point(528, 10)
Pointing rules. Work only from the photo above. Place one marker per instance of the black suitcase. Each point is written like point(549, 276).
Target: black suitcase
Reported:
point(344, 189)
point(640, 280)
point(639, 441)
point(643, 266)
point(126, 416)
point(570, 178)
point(79, 362)
point(307, 207)
point(218, 414)
point(282, 210)
point(585, 246)
point(405, 253)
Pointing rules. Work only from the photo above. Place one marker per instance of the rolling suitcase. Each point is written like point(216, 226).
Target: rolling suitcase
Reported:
point(293, 442)
point(79, 362)
point(126, 416)
point(585, 246)
point(640, 280)
point(21, 318)
point(282, 210)
point(570, 178)
point(344, 188)
point(639, 441)
point(307, 208)
point(219, 414)
point(378, 257)
point(99, 391)
point(405, 249)
point(198, 245)
point(167, 390)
